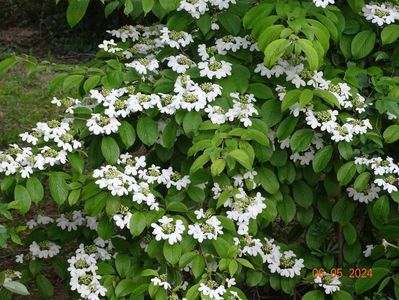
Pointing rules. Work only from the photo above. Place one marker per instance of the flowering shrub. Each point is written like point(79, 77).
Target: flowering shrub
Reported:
point(235, 150)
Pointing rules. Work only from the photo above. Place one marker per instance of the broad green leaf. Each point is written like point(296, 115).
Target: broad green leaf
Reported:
point(137, 223)
point(110, 149)
point(310, 52)
point(76, 10)
point(76, 161)
point(122, 264)
point(327, 96)
point(45, 287)
point(35, 189)
point(191, 122)
point(286, 209)
point(362, 181)
point(242, 157)
point(274, 51)
point(346, 172)
point(230, 22)
point(172, 253)
point(217, 167)
point(125, 287)
point(22, 199)
point(147, 5)
point(381, 209)
point(127, 134)
point(390, 34)
point(313, 295)
point(350, 233)
point(391, 133)
point(110, 7)
point(302, 193)
point(322, 158)
point(362, 44)
point(301, 139)
point(268, 180)
point(147, 130)
point(169, 134)
point(198, 266)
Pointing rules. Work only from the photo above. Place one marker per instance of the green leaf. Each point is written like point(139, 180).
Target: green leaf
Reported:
point(35, 189)
point(260, 90)
point(45, 287)
point(110, 7)
point(76, 161)
point(302, 193)
point(122, 264)
point(286, 209)
point(169, 5)
point(242, 157)
point(381, 209)
point(310, 52)
point(341, 295)
point(169, 134)
point(391, 134)
point(268, 180)
point(364, 284)
point(172, 253)
point(350, 233)
point(204, 23)
point(7, 63)
point(76, 10)
point(137, 223)
point(110, 149)
point(230, 22)
point(362, 181)
point(22, 199)
point(390, 34)
point(196, 194)
point(217, 167)
point(199, 163)
point(198, 266)
point(186, 258)
point(327, 96)
point(363, 44)
point(322, 158)
point(16, 287)
point(147, 130)
point(274, 51)
point(91, 82)
point(127, 134)
point(301, 139)
point(245, 263)
point(313, 295)
point(342, 211)
point(125, 287)
point(191, 122)
point(147, 5)
point(346, 173)
point(72, 82)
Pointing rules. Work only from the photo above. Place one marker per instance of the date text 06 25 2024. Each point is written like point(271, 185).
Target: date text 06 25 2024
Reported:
point(340, 272)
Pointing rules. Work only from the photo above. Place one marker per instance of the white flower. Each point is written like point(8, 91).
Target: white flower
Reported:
point(45, 249)
point(212, 290)
point(214, 68)
point(161, 281)
point(216, 114)
point(144, 65)
point(208, 229)
point(328, 282)
point(100, 124)
point(286, 264)
point(194, 8)
point(180, 63)
point(323, 3)
point(369, 249)
point(169, 230)
point(122, 221)
point(19, 258)
point(175, 39)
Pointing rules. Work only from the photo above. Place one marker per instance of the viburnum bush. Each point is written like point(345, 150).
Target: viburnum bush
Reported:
point(232, 150)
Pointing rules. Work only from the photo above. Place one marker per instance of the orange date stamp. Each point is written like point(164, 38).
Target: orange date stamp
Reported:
point(340, 272)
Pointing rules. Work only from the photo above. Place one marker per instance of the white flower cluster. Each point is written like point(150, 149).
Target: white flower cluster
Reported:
point(170, 230)
point(323, 3)
point(66, 221)
point(44, 249)
point(381, 13)
point(132, 177)
point(365, 196)
point(214, 290)
point(162, 281)
point(243, 208)
point(208, 228)
point(328, 282)
point(25, 160)
point(285, 263)
point(82, 268)
point(386, 173)
point(196, 8)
